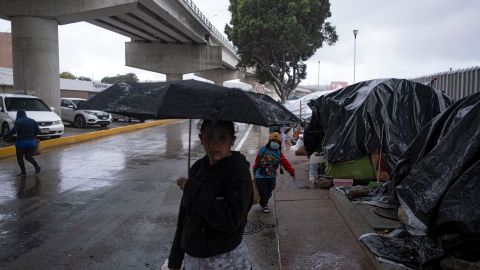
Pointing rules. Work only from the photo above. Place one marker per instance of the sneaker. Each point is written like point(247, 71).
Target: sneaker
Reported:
point(266, 210)
point(38, 169)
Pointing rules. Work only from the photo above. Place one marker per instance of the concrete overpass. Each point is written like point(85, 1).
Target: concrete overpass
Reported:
point(167, 36)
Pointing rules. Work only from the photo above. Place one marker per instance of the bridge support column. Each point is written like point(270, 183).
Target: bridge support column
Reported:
point(174, 77)
point(35, 58)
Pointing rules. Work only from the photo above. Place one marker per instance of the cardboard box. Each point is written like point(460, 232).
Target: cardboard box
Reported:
point(342, 182)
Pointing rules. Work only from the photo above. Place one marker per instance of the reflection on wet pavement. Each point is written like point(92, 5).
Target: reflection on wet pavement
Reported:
point(25, 191)
point(7, 190)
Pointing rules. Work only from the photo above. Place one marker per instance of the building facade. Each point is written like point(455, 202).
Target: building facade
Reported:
point(6, 59)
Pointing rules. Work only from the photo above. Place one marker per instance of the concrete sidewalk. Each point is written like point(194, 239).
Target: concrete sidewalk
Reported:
point(312, 234)
point(261, 235)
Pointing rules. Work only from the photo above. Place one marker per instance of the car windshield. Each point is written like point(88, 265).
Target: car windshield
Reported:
point(78, 102)
point(27, 104)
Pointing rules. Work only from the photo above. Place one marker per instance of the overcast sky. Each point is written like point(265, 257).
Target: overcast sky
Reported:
point(397, 38)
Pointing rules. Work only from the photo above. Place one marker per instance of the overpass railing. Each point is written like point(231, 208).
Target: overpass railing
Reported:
point(455, 83)
point(210, 26)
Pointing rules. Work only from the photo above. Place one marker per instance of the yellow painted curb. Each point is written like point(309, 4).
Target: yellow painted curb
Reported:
point(6, 152)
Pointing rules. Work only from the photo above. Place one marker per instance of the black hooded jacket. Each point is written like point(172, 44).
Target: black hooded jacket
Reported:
point(213, 213)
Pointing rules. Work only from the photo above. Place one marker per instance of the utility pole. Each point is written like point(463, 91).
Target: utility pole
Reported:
point(318, 77)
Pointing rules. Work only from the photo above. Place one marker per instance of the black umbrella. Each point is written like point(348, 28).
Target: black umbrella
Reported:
point(190, 99)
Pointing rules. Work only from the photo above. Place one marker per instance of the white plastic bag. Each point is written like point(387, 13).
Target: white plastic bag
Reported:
point(297, 145)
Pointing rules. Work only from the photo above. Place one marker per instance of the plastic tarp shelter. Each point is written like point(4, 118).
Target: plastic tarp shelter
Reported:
point(368, 116)
point(437, 181)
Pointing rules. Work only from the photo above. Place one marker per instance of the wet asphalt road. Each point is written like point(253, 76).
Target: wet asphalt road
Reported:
point(109, 203)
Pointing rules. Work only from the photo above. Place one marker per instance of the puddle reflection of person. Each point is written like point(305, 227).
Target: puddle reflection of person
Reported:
point(23, 192)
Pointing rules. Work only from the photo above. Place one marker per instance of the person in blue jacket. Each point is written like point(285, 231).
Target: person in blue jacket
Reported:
point(27, 130)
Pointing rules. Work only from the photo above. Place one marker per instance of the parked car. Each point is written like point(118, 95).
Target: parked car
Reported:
point(123, 118)
point(48, 121)
point(82, 118)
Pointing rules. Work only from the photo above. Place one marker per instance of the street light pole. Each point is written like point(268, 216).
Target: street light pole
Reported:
point(318, 77)
point(355, 32)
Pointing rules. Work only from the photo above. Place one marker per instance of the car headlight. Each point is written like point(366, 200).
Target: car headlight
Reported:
point(89, 112)
point(57, 122)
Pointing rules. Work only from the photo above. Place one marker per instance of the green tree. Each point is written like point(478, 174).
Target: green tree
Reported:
point(67, 75)
point(129, 77)
point(276, 37)
point(83, 78)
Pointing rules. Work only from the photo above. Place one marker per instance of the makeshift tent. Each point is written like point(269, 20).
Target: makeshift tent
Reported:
point(438, 179)
point(369, 116)
point(437, 182)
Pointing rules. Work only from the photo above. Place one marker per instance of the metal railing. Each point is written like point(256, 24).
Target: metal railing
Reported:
point(209, 25)
point(455, 83)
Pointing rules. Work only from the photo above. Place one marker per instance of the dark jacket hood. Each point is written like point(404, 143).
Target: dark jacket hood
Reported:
point(236, 158)
point(21, 114)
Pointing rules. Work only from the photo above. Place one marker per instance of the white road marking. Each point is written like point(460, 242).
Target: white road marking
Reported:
point(245, 136)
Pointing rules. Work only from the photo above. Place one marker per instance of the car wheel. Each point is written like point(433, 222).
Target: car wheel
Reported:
point(4, 130)
point(79, 122)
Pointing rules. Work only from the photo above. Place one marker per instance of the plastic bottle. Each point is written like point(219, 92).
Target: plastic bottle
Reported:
point(313, 168)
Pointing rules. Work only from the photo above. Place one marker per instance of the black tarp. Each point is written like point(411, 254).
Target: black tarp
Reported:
point(438, 178)
point(437, 181)
point(347, 124)
point(417, 252)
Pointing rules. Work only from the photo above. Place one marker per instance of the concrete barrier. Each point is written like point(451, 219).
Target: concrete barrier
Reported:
point(6, 152)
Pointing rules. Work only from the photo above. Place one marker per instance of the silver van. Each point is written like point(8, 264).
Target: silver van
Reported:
point(48, 121)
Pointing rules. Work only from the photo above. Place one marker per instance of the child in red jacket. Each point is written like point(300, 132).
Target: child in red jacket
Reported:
point(269, 158)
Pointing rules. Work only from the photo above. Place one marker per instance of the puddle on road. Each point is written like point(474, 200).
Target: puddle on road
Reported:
point(7, 191)
point(74, 185)
point(21, 188)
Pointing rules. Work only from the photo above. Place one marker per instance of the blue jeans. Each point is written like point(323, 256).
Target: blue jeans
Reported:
point(265, 187)
point(28, 154)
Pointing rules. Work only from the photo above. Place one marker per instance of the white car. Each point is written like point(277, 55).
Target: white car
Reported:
point(82, 118)
point(49, 122)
